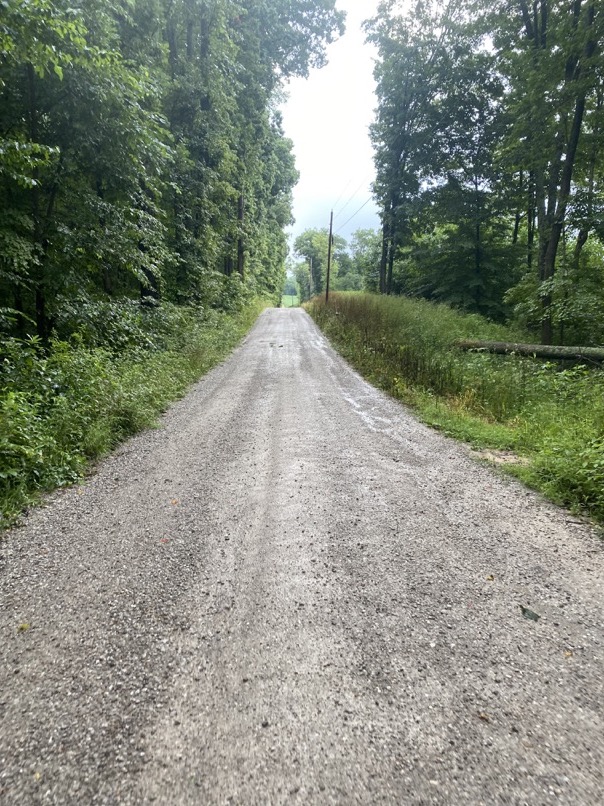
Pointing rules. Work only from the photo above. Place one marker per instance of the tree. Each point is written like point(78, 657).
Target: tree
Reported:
point(487, 143)
point(313, 245)
point(410, 70)
point(290, 288)
point(141, 153)
point(365, 257)
point(92, 200)
point(551, 56)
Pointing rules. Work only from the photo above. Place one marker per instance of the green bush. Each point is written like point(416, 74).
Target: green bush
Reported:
point(553, 417)
point(74, 401)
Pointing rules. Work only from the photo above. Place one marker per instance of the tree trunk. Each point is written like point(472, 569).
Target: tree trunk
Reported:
point(477, 245)
point(204, 35)
point(190, 40)
point(240, 247)
point(172, 47)
point(18, 304)
point(518, 216)
point(390, 260)
point(552, 201)
point(585, 229)
point(582, 238)
point(530, 213)
point(559, 218)
point(39, 278)
point(536, 350)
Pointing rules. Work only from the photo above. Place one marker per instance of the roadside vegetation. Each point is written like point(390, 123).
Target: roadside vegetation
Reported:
point(550, 418)
point(145, 184)
point(67, 405)
point(488, 145)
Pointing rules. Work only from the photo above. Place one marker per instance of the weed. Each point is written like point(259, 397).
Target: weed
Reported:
point(553, 416)
point(60, 409)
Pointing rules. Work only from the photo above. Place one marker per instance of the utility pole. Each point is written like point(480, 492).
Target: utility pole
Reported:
point(310, 282)
point(329, 258)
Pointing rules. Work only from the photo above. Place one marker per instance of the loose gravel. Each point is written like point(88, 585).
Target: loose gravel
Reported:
point(293, 592)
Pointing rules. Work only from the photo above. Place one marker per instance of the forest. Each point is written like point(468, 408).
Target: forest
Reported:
point(489, 152)
point(145, 184)
point(490, 162)
point(142, 154)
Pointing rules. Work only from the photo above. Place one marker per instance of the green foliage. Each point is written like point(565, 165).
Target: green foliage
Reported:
point(141, 154)
point(576, 297)
point(554, 417)
point(296, 40)
point(365, 248)
point(61, 408)
point(145, 184)
point(444, 264)
point(488, 148)
point(313, 246)
point(290, 289)
point(290, 301)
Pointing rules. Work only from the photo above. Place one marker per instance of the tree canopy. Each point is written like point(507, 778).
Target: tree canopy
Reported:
point(141, 150)
point(488, 152)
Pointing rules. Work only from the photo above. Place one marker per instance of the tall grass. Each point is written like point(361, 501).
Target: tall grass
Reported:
point(553, 417)
point(63, 407)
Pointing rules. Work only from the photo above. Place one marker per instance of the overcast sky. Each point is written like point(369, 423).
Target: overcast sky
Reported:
point(327, 116)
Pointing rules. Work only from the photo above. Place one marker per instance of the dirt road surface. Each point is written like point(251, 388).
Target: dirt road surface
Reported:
point(292, 592)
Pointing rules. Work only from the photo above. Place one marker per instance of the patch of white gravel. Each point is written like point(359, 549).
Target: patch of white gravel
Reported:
point(292, 592)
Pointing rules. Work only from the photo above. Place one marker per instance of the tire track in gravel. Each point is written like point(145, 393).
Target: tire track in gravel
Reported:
point(292, 592)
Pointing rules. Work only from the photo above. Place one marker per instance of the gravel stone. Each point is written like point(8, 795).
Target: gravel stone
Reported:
point(293, 592)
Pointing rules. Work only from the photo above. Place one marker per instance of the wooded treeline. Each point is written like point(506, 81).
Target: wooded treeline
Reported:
point(354, 264)
point(141, 151)
point(489, 140)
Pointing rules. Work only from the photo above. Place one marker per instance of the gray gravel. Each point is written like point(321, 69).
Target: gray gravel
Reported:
point(292, 592)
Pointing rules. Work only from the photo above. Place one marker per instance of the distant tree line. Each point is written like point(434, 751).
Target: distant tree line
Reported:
point(489, 148)
point(354, 265)
point(141, 151)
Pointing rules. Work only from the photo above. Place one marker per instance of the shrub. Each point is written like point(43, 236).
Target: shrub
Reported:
point(73, 402)
point(553, 416)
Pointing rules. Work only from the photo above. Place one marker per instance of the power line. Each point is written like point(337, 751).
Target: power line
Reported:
point(351, 198)
point(339, 199)
point(354, 215)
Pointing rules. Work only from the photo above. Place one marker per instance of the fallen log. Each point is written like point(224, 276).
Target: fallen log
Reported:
point(535, 350)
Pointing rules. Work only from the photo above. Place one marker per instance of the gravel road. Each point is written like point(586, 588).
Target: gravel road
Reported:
point(292, 592)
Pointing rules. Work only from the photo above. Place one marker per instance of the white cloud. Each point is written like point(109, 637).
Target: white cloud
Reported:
point(327, 116)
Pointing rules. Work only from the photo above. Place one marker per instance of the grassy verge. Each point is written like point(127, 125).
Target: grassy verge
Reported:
point(74, 403)
point(551, 418)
